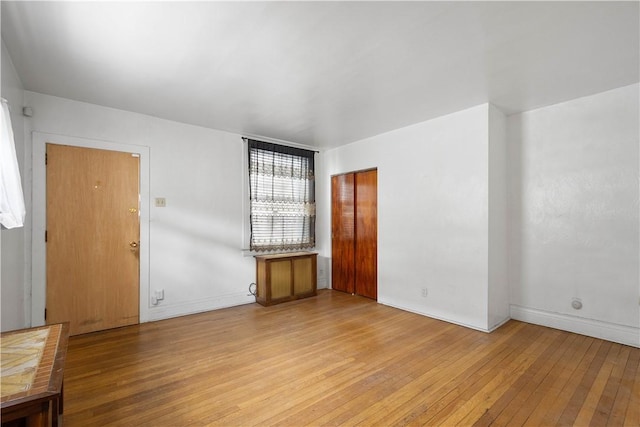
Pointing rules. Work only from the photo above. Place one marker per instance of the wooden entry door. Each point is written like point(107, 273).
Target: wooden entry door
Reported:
point(354, 233)
point(93, 238)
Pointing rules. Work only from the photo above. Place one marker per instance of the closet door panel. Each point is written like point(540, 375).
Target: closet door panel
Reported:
point(343, 233)
point(366, 211)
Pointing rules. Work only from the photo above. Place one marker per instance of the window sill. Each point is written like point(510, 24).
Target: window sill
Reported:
point(250, 253)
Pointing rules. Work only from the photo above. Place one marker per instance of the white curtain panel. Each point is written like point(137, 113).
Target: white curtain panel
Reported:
point(12, 211)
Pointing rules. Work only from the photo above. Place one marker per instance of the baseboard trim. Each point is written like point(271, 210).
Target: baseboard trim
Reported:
point(444, 319)
point(594, 328)
point(499, 324)
point(161, 312)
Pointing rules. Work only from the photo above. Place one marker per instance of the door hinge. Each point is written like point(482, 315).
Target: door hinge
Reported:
point(45, 236)
point(46, 159)
point(45, 314)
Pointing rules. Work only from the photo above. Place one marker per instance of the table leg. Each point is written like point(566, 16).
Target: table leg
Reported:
point(61, 398)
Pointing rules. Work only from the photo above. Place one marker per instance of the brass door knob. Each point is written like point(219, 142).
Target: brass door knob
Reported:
point(133, 244)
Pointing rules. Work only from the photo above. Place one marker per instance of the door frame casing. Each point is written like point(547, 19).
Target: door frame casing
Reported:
point(39, 197)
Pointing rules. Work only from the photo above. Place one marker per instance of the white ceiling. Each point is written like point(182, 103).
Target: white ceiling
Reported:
point(320, 73)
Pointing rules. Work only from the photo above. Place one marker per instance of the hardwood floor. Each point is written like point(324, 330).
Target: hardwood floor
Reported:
point(338, 359)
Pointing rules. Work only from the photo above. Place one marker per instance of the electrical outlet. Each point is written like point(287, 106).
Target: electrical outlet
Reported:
point(161, 202)
point(425, 292)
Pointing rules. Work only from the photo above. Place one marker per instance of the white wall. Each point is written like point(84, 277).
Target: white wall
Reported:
point(196, 240)
point(535, 216)
point(433, 205)
point(574, 214)
point(13, 273)
point(498, 304)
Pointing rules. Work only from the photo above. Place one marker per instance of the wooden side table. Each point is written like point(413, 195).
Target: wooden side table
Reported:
point(32, 374)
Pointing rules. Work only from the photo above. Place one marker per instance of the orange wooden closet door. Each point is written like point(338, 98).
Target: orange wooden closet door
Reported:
point(343, 233)
point(366, 184)
point(354, 233)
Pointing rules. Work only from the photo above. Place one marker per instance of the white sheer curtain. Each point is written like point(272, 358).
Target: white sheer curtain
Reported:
point(282, 197)
point(12, 211)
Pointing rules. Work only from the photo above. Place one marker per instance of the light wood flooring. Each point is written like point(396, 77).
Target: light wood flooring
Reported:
point(338, 359)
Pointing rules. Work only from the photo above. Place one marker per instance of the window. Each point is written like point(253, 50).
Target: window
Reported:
point(281, 196)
